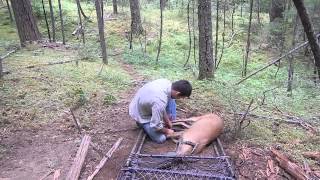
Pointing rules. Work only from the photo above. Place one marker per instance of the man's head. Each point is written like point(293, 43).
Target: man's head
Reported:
point(181, 89)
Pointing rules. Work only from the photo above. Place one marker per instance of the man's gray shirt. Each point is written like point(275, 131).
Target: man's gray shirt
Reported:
point(149, 104)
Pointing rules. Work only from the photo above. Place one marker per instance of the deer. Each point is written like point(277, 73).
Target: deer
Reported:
point(203, 130)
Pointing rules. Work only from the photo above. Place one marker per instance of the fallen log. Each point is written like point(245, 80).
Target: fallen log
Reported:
point(312, 155)
point(46, 175)
point(75, 169)
point(105, 159)
point(290, 167)
point(51, 63)
point(57, 174)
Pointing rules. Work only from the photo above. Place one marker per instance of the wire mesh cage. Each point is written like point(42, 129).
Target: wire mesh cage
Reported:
point(146, 166)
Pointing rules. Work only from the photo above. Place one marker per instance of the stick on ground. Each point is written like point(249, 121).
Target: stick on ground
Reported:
point(290, 167)
point(105, 159)
point(75, 170)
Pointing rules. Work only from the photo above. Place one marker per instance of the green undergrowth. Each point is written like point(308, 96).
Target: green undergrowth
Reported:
point(41, 93)
point(268, 88)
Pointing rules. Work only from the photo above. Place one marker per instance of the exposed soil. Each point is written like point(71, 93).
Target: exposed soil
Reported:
point(30, 153)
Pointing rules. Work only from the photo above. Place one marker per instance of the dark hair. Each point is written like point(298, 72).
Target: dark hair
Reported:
point(182, 86)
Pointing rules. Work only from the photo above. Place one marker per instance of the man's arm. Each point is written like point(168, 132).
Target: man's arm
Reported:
point(160, 118)
point(167, 120)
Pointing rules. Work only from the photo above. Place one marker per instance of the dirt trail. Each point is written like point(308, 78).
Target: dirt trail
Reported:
point(33, 152)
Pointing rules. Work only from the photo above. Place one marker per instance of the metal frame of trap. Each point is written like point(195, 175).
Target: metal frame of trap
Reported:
point(134, 168)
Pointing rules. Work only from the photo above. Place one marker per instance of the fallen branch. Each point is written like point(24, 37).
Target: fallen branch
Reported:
point(245, 115)
point(275, 61)
point(46, 175)
point(48, 64)
point(57, 174)
point(75, 169)
point(297, 122)
point(76, 121)
point(290, 167)
point(231, 39)
point(8, 54)
point(105, 159)
point(312, 155)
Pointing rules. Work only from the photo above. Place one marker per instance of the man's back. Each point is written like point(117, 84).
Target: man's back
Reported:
point(155, 93)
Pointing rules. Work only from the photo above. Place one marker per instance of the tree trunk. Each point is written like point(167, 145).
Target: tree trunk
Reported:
point(241, 7)
point(290, 66)
point(206, 63)
point(232, 15)
point(258, 11)
point(193, 31)
point(136, 26)
point(80, 20)
point(276, 9)
point(161, 26)
point(46, 20)
point(81, 11)
point(189, 30)
point(217, 33)
point(248, 41)
point(223, 34)
point(115, 6)
point(1, 71)
point(10, 14)
point(308, 29)
point(25, 21)
point(99, 7)
point(52, 22)
point(61, 21)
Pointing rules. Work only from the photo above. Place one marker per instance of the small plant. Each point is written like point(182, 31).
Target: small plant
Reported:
point(109, 99)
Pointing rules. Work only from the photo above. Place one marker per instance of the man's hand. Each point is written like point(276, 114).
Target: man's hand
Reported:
point(169, 124)
point(168, 132)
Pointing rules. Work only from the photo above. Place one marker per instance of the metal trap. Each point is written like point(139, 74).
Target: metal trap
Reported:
point(161, 166)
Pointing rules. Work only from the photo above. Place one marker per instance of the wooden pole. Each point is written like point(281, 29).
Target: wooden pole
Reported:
point(75, 169)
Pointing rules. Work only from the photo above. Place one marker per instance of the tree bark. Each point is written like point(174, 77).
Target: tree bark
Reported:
point(290, 58)
point(10, 14)
point(189, 31)
point(217, 33)
point(136, 26)
point(25, 21)
point(232, 15)
point(1, 71)
point(206, 62)
point(52, 22)
point(193, 31)
point(99, 7)
point(248, 41)
point(115, 6)
point(46, 20)
point(258, 11)
point(308, 29)
point(61, 21)
point(80, 20)
point(161, 28)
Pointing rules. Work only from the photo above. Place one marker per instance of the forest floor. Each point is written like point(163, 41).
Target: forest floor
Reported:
point(38, 134)
point(32, 145)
